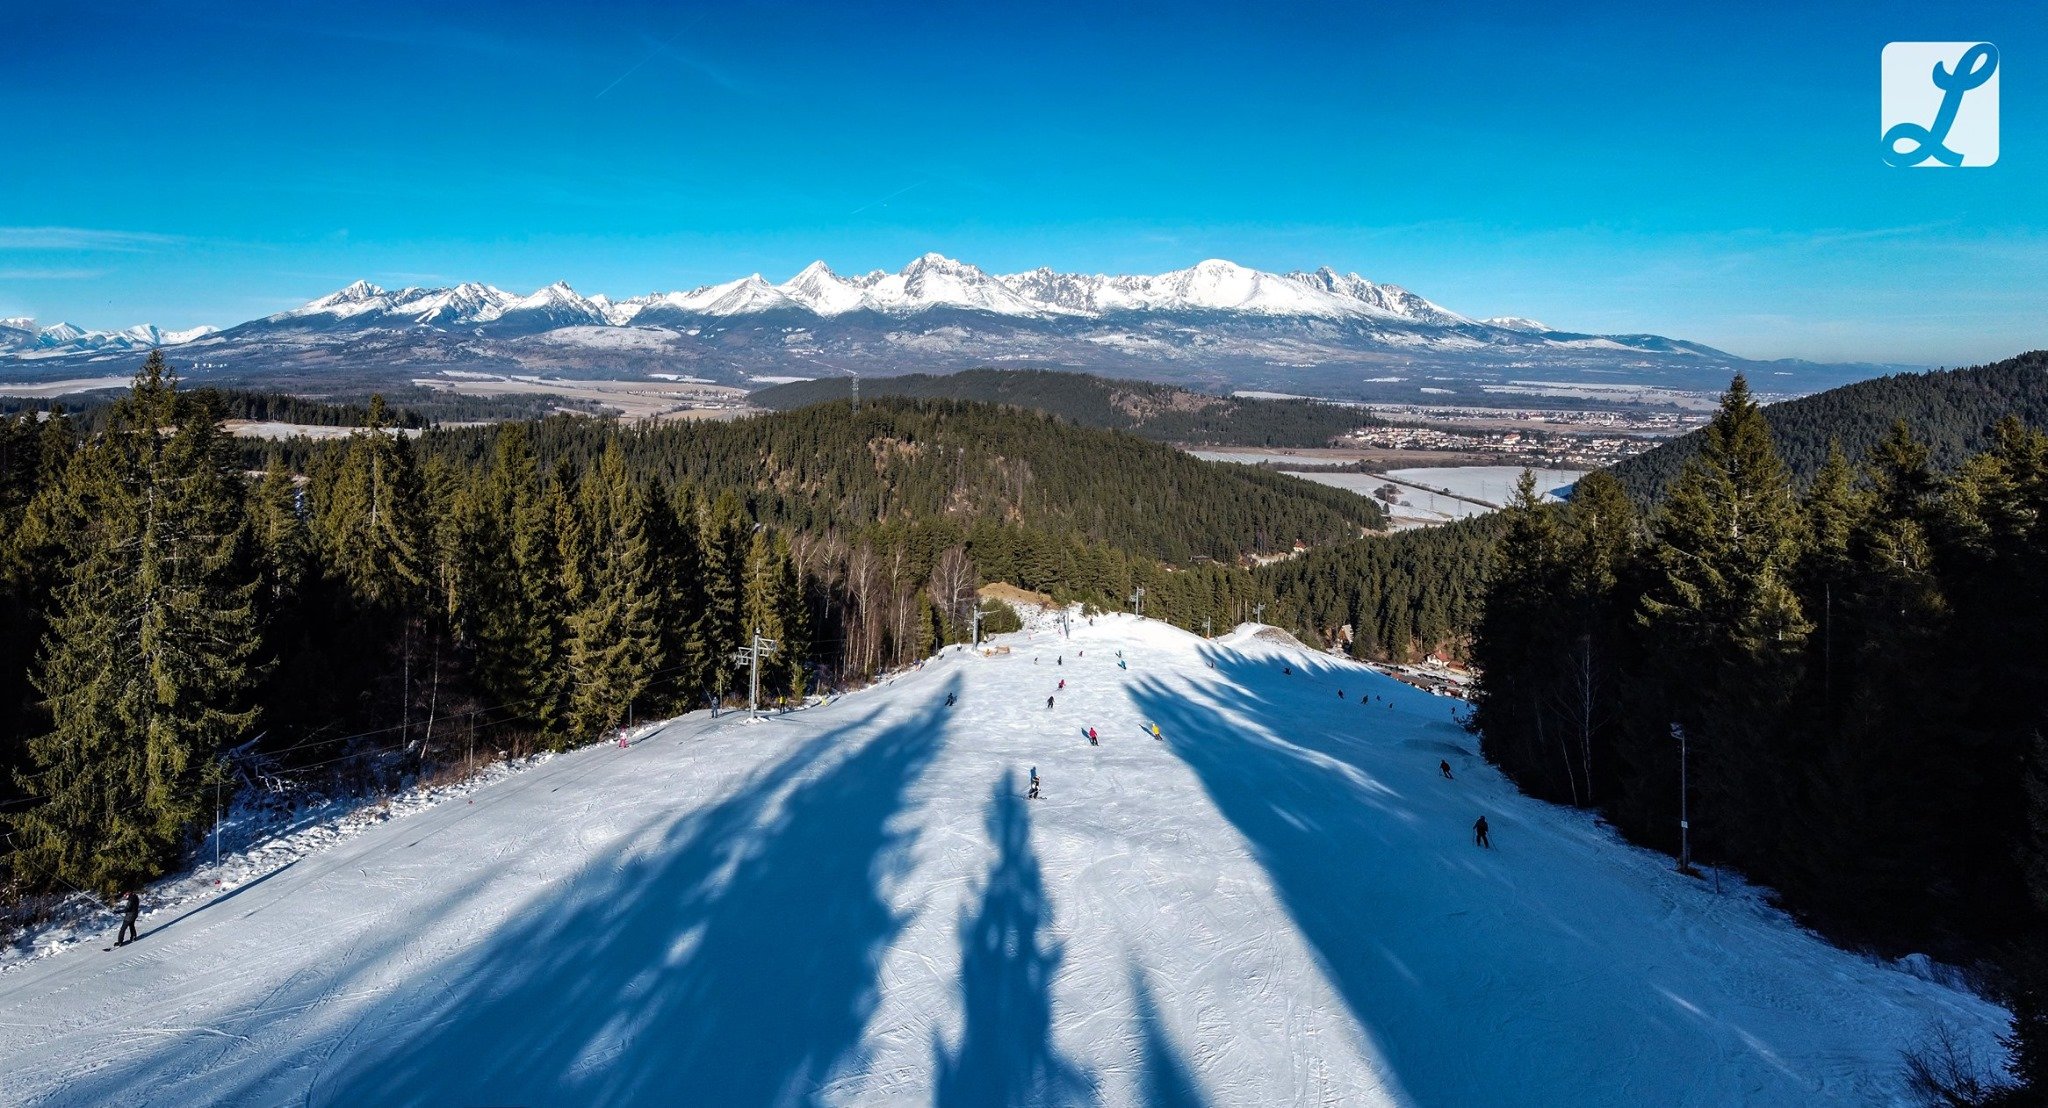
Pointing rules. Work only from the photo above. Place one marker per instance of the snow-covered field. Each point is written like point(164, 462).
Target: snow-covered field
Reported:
point(1493, 484)
point(1279, 902)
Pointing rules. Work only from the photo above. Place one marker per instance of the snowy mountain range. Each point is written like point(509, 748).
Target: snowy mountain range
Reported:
point(25, 338)
point(930, 283)
point(1214, 325)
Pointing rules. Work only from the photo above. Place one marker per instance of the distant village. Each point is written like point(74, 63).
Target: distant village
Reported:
point(1548, 439)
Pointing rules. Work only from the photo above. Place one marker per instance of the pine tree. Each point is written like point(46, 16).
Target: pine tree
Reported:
point(614, 645)
point(150, 663)
point(676, 571)
point(724, 543)
point(369, 513)
point(1722, 608)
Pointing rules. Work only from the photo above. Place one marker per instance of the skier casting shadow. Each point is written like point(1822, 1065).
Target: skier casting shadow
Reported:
point(1033, 794)
point(1479, 834)
point(131, 908)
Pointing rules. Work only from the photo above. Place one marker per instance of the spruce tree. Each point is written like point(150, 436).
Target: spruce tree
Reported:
point(1730, 629)
point(614, 644)
point(152, 656)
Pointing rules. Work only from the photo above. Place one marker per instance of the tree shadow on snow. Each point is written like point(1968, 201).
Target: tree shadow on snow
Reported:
point(732, 963)
point(1006, 1055)
point(1164, 1081)
point(1376, 866)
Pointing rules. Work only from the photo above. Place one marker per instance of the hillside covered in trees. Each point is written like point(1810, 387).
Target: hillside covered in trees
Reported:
point(381, 607)
point(1952, 411)
point(1162, 413)
point(1859, 670)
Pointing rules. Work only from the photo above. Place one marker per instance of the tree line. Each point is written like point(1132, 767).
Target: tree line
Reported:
point(179, 622)
point(1162, 413)
point(1858, 669)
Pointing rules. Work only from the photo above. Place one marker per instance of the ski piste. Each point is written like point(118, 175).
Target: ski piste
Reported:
point(1277, 902)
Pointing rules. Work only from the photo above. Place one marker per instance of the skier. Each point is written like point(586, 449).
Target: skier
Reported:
point(1060, 661)
point(1048, 703)
point(1063, 684)
point(1286, 671)
point(1155, 732)
point(1479, 834)
point(951, 698)
point(1092, 740)
point(131, 907)
point(1340, 694)
point(1120, 664)
point(1033, 794)
point(1445, 769)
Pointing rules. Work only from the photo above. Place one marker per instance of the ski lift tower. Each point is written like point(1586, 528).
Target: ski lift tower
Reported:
point(750, 656)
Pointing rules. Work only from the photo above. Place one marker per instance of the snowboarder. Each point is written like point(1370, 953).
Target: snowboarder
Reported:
point(1092, 740)
point(1033, 794)
point(1048, 703)
point(1445, 769)
point(131, 907)
point(1479, 834)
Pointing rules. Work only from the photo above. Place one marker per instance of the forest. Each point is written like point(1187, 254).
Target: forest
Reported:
point(1952, 411)
point(1162, 413)
point(186, 612)
point(1856, 664)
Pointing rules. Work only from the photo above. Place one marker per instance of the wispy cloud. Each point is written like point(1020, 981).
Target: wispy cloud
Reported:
point(81, 238)
point(49, 274)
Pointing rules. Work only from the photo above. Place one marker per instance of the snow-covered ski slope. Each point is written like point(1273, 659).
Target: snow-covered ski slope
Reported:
point(1279, 902)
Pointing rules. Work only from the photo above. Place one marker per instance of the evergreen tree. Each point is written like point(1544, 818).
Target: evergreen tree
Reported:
point(151, 659)
point(724, 543)
point(614, 644)
point(675, 566)
point(1729, 627)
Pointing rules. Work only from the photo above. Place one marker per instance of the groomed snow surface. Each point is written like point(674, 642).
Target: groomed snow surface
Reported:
point(1279, 902)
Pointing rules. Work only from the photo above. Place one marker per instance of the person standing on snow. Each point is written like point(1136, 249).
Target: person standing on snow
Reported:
point(1091, 738)
point(1445, 769)
point(1033, 794)
point(131, 909)
point(1155, 732)
point(1479, 834)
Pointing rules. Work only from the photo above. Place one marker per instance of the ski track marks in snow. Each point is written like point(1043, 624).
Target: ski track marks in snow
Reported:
point(1280, 903)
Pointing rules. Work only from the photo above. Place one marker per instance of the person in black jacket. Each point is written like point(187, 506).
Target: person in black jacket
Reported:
point(1479, 834)
point(131, 908)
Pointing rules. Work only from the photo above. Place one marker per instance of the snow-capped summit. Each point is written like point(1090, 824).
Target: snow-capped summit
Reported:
point(936, 281)
point(1517, 323)
point(818, 288)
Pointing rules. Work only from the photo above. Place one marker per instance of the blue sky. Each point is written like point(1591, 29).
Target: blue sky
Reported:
point(1713, 176)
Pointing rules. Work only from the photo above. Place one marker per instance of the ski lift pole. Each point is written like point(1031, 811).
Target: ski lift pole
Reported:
point(1684, 820)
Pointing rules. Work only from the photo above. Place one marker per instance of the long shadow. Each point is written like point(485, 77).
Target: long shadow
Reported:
point(728, 957)
point(1164, 1081)
point(1429, 941)
point(733, 964)
point(215, 902)
point(1006, 1055)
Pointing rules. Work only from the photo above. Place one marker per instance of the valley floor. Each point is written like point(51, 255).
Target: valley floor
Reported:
point(1277, 902)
